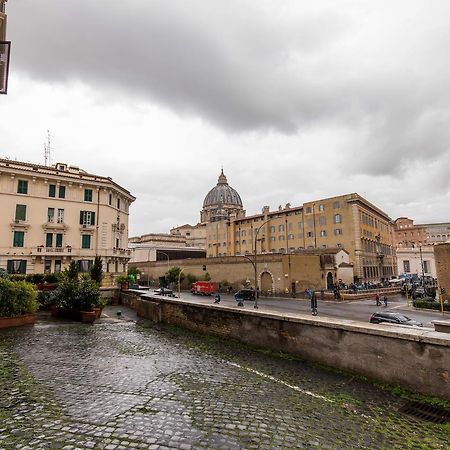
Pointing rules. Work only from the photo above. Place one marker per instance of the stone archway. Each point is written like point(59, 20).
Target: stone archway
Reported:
point(329, 280)
point(267, 282)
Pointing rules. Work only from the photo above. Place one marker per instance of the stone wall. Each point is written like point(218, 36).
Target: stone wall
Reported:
point(442, 258)
point(303, 270)
point(416, 359)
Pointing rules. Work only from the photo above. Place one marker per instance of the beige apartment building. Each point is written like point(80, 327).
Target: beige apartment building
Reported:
point(54, 215)
point(348, 221)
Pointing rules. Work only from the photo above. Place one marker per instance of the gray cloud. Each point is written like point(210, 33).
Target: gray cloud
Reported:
point(379, 73)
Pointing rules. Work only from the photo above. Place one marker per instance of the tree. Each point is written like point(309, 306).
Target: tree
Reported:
point(207, 276)
point(133, 271)
point(191, 278)
point(173, 274)
point(72, 271)
point(97, 270)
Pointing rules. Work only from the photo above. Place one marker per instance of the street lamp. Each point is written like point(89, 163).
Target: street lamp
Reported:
point(179, 276)
point(380, 256)
point(421, 263)
point(167, 256)
point(255, 263)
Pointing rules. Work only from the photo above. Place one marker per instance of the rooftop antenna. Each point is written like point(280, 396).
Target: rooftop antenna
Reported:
point(48, 150)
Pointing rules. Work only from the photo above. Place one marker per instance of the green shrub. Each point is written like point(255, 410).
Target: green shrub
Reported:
point(124, 279)
point(97, 270)
point(45, 299)
point(17, 277)
point(17, 298)
point(80, 294)
point(66, 294)
point(88, 294)
point(51, 278)
point(191, 278)
point(35, 278)
point(429, 303)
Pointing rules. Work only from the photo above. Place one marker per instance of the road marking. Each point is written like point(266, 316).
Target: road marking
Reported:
point(276, 380)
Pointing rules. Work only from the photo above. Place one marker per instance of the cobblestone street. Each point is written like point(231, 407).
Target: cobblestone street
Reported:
point(122, 385)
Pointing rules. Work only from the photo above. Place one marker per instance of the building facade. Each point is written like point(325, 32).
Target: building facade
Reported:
point(195, 235)
point(54, 215)
point(416, 261)
point(348, 221)
point(410, 235)
point(162, 247)
point(415, 245)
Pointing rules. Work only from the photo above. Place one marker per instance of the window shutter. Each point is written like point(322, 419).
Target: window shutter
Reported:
point(81, 217)
point(21, 212)
point(93, 218)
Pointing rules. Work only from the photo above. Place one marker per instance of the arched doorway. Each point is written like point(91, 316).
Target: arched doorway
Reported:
point(329, 280)
point(266, 282)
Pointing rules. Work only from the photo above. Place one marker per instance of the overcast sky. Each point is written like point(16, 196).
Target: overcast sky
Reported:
point(296, 100)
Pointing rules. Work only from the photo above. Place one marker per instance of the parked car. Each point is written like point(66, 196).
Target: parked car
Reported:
point(245, 294)
point(164, 291)
point(392, 317)
point(418, 292)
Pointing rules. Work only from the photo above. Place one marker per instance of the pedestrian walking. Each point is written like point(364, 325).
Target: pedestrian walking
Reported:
point(385, 301)
point(313, 304)
point(217, 298)
point(377, 299)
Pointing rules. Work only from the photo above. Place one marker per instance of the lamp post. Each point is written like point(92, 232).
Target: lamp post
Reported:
point(421, 263)
point(255, 263)
point(380, 256)
point(179, 276)
point(167, 256)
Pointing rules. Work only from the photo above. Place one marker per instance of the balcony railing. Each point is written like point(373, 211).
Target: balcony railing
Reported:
point(41, 249)
point(121, 251)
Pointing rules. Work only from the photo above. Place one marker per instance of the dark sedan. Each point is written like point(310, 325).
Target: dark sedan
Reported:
point(395, 318)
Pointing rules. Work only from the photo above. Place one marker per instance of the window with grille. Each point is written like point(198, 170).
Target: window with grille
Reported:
point(87, 218)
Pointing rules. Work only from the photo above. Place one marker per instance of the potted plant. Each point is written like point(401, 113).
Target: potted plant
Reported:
point(123, 281)
point(18, 303)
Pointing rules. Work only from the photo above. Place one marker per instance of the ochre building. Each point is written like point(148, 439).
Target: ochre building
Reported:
point(347, 221)
point(54, 215)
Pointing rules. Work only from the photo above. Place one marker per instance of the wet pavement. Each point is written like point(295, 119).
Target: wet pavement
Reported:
point(119, 384)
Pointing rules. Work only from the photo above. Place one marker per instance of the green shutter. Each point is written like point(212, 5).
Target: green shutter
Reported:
point(59, 239)
point(81, 217)
point(22, 187)
point(93, 218)
point(21, 212)
point(52, 190)
point(18, 238)
point(62, 192)
point(85, 241)
point(49, 240)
